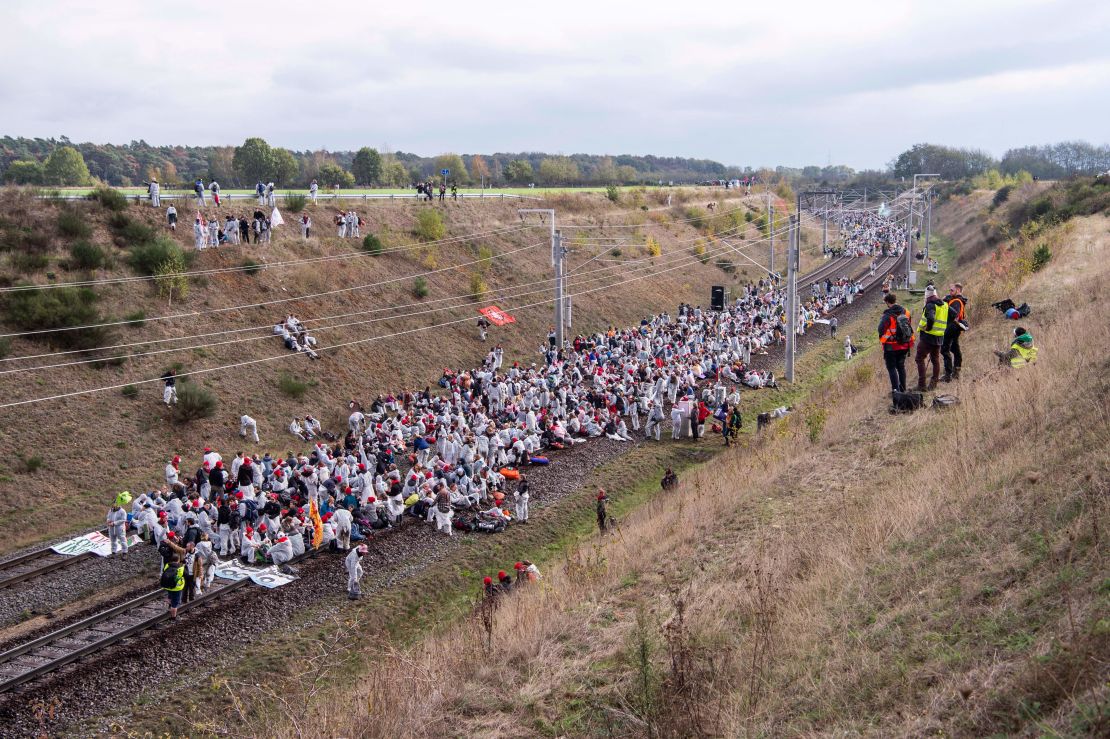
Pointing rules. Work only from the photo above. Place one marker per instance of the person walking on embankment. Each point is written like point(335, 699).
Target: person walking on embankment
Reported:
point(896, 336)
point(957, 321)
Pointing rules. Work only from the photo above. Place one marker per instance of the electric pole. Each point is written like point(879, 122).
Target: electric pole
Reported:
point(928, 222)
point(791, 297)
point(825, 227)
point(558, 261)
point(771, 229)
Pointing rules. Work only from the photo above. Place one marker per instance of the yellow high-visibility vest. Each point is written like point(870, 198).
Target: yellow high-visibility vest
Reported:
point(940, 321)
point(1025, 355)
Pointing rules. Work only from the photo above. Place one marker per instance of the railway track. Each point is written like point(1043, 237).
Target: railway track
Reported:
point(35, 564)
point(69, 644)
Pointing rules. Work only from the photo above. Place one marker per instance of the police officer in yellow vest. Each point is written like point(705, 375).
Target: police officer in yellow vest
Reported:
point(930, 332)
point(1022, 353)
point(173, 582)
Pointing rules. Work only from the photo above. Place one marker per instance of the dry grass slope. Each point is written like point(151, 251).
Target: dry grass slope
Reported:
point(850, 573)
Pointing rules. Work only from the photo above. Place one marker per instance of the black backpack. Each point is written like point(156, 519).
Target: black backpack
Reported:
point(903, 331)
point(165, 551)
point(906, 402)
point(169, 577)
point(233, 518)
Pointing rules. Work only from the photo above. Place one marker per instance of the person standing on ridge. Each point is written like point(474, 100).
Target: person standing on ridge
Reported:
point(931, 328)
point(896, 336)
point(950, 348)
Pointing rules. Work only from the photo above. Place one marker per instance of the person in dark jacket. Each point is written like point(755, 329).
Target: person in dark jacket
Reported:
point(217, 478)
point(931, 329)
point(950, 349)
point(894, 351)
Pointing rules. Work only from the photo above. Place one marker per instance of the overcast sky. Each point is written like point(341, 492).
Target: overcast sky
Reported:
point(743, 83)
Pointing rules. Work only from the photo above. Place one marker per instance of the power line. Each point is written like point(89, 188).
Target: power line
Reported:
point(355, 342)
point(194, 314)
point(465, 296)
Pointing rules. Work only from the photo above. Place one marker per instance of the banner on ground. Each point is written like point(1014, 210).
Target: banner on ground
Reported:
point(497, 316)
point(267, 577)
point(92, 543)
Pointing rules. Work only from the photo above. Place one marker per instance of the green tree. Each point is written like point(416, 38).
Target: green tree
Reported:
point(454, 163)
point(519, 172)
point(27, 172)
point(66, 166)
point(558, 171)
point(331, 174)
point(253, 161)
point(394, 174)
point(367, 166)
point(285, 168)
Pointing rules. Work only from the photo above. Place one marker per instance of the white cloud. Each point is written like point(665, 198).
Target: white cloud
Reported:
point(741, 83)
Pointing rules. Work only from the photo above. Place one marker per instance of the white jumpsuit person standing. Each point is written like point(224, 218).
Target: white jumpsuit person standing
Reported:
point(199, 235)
point(117, 528)
point(520, 497)
point(343, 520)
point(248, 425)
point(155, 194)
point(312, 190)
point(353, 563)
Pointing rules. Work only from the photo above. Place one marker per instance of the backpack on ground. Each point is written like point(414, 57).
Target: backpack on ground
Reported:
point(169, 577)
point(906, 402)
point(903, 331)
point(945, 401)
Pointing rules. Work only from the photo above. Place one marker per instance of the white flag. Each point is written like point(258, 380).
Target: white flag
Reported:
point(275, 218)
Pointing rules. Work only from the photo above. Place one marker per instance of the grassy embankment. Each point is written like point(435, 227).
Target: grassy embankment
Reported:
point(857, 573)
point(443, 594)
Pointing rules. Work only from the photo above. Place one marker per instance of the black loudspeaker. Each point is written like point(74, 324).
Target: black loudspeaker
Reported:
point(717, 297)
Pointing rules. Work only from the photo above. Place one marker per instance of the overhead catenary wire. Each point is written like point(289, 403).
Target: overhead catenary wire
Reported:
point(354, 342)
point(194, 314)
point(219, 310)
point(500, 292)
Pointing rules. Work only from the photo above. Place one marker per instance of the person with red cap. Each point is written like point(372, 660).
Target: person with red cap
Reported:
point(353, 563)
point(488, 587)
point(504, 582)
point(173, 471)
point(252, 541)
point(602, 510)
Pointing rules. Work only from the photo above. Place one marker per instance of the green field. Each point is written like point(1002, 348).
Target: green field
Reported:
point(534, 191)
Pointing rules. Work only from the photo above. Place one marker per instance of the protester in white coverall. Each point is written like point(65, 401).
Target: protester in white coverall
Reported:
point(199, 235)
point(282, 551)
point(521, 496)
point(676, 421)
point(248, 428)
point(353, 563)
point(155, 194)
point(117, 528)
point(343, 521)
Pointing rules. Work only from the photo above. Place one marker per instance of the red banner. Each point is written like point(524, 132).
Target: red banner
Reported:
point(497, 316)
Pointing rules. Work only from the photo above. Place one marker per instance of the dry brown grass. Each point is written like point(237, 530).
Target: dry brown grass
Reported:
point(882, 575)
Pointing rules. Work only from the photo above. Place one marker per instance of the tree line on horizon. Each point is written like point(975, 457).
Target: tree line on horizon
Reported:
point(61, 162)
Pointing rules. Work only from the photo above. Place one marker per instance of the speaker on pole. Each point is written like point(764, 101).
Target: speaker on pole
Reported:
point(717, 297)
